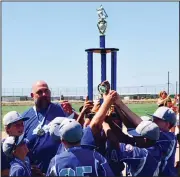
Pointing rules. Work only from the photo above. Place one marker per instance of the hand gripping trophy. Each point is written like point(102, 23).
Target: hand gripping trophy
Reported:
point(102, 24)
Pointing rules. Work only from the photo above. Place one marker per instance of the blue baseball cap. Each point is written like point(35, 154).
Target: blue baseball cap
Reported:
point(11, 143)
point(54, 127)
point(166, 114)
point(147, 129)
point(12, 117)
point(70, 130)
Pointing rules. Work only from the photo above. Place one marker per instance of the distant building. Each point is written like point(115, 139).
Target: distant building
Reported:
point(13, 98)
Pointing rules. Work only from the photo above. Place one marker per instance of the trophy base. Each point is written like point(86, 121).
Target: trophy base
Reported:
point(102, 50)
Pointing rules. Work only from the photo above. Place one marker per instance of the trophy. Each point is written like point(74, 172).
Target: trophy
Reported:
point(102, 50)
point(102, 24)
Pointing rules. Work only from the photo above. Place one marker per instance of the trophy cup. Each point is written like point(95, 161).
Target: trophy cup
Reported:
point(102, 50)
point(102, 24)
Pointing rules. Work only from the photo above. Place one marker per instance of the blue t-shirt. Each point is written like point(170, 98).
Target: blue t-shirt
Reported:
point(42, 148)
point(5, 161)
point(168, 142)
point(20, 168)
point(141, 161)
point(78, 161)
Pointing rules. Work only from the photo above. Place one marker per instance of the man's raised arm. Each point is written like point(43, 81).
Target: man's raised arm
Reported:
point(132, 117)
point(96, 122)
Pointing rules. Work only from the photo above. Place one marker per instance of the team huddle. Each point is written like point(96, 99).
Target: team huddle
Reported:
point(51, 139)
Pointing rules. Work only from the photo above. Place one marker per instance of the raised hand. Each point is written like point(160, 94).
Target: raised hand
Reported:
point(110, 97)
point(118, 99)
point(88, 105)
point(67, 107)
point(96, 106)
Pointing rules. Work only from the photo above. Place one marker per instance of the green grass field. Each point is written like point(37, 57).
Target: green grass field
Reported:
point(139, 109)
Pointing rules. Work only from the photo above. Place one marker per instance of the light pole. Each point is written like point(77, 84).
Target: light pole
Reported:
point(168, 83)
point(176, 87)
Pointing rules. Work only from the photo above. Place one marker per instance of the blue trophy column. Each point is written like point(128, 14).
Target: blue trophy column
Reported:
point(113, 69)
point(90, 75)
point(103, 59)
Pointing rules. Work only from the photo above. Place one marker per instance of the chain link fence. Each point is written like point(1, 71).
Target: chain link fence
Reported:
point(82, 91)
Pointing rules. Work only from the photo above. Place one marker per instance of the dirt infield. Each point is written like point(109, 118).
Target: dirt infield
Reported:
point(31, 103)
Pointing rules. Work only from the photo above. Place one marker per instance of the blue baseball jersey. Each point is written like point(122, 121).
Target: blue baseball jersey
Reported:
point(78, 161)
point(61, 148)
point(42, 148)
point(113, 157)
point(110, 152)
point(141, 161)
point(168, 143)
point(88, 138)
point(20, 168)
point(5, 161)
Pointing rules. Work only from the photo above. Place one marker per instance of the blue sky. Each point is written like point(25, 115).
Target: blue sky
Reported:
point(48, 41)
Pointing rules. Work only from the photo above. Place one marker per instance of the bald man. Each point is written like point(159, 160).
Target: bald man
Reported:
point(41, 146)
